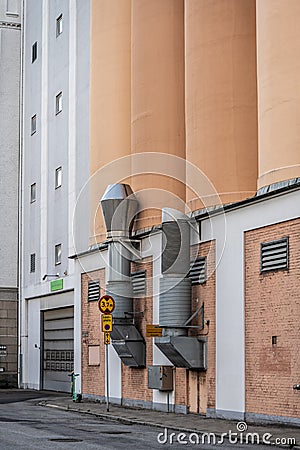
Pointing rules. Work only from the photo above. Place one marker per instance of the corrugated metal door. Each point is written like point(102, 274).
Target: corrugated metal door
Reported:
point(58, 349)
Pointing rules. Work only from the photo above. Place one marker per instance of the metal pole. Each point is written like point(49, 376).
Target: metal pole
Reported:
point(107, 379)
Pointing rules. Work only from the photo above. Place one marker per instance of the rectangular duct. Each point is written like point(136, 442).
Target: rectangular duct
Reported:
point(129, 345)
point(183, 351)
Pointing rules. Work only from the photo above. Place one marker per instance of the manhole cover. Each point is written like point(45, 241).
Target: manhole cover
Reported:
point(65, 440)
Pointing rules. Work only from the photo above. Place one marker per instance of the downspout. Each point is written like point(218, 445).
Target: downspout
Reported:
point(20, 208)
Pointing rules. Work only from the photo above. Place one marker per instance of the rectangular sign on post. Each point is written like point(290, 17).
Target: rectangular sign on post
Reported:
point(153, 331)
point(106, 322)
point(106, 338)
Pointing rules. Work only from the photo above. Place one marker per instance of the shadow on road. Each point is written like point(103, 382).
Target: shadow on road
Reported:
point(21, 395)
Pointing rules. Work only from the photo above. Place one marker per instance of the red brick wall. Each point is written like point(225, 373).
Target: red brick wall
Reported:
point(135, 381)
point(193, 388)
point(181, 386)
point(93, 377)
point(272, 308)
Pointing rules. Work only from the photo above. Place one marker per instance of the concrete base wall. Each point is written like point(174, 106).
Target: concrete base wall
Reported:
point(8, 337)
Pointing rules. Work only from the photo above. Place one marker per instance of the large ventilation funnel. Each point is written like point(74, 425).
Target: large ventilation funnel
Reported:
point(119, 206)
point(175, 294)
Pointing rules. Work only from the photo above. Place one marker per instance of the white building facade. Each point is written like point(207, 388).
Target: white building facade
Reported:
point(10, 66)
point(54, 165)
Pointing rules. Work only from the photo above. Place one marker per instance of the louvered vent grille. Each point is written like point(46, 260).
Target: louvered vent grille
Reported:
point(274, 255)
point(139, 283)
point(198, 271)
point(93, 291)
point(32, 262)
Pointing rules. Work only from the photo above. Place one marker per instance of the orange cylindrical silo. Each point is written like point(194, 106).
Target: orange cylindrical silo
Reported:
point(221, 100)
point(278, 69)
point(157, 116)
point(110, 101)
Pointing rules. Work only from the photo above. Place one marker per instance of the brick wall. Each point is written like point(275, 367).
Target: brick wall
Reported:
point(135, 381)
point(93, 377)
point(202, 384)
point(272, 308)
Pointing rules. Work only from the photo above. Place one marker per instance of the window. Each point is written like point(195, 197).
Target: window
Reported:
point(58, 103)
point(274, 340)
point(58, 254)
point(198, 271)
point(32, 263)
point(59, 25)
point(33, 124)
point(274, 255)
point(34, 52)
point(139, 283)
point(58, 177)
point(93, 291)
point(33, 193)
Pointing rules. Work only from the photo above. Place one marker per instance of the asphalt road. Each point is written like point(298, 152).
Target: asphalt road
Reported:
point(26, 425)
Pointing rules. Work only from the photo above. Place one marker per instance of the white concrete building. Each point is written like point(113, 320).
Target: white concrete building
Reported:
point(10, 63)
point(55, 135)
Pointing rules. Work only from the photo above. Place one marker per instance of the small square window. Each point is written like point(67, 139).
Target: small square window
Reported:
point(32, 263)
point(58, 103)
point(34, 52)
point(33, 124)
point(59, 25)
point(58, 177)
point(33, 193)
point(58, 254)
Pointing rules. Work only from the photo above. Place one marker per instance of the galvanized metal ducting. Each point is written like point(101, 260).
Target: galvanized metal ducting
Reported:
point(175, 294)
point(119, 206)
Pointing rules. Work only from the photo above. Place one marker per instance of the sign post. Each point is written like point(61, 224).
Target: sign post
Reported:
point(107, 379)
point(106, 306)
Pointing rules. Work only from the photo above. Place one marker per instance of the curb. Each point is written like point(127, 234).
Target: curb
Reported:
point(149, 424)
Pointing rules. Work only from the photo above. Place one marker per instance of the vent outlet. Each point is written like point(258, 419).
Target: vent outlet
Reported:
point(32, 263)
point(274, 255)
point(198, 271)
point(93, 291)
point(139, 283)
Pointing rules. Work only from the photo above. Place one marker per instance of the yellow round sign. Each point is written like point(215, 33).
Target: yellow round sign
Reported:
point(106, 304)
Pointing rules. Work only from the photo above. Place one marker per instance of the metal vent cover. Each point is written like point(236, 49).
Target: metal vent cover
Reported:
point(198, 271)
point(274, 255)
point(93, 290)
point(32, 262)
point(139, 283)
point(183, 351)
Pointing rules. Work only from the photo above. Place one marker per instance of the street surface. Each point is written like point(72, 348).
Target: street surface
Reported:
point(26, 425)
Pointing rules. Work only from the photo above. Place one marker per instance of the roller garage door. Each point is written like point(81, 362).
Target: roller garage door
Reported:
point(58, 348)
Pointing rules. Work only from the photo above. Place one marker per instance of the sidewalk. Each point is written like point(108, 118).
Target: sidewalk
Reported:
point(175, 422)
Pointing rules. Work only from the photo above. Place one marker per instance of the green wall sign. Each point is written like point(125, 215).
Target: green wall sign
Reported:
point(56, 285)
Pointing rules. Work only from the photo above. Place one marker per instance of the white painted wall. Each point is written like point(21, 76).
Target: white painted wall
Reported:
point(230, 325)
point(61, 140)
point(32, 361)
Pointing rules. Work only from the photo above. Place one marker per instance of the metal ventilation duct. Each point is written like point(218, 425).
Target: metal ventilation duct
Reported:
point(119, 206)
point(175, 294)
point(184, 351)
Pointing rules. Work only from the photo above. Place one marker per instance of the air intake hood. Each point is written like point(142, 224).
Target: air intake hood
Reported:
point(183, 351)
point(119, 206)
point(129, 345)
